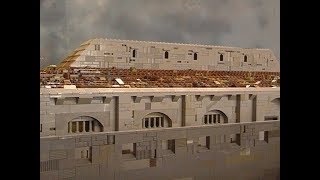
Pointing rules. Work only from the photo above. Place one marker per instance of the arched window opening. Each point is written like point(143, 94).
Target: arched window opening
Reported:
point(245, 59)
point(166, 55)
point(156, 120)
point(215, 117)
point(195, 56)
point(84, 124)
point(221, 57)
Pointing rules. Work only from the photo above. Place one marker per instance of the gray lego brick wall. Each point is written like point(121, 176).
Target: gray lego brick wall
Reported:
point(128, 110)
point(171, 153)
point(190, 142)
point(151, 55)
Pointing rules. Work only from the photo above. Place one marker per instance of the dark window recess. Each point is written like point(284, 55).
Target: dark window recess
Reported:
point(189, 53)
point(235, 138)
point(245, 58)
point(86, 126)
point(204, 142)
point(179, 61)
point(134, 53)
point(171, 145)
point(195, 56)
point(162, 121)
point(271, 118)
point(52, 129)
point(166, 55)
point(146, 123)
point(221, 57)
point(152, 122)
point(157, 122)
point(129, 148)
point(97, 47)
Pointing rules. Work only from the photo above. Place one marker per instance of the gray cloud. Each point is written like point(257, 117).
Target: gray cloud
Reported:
point(65, 24)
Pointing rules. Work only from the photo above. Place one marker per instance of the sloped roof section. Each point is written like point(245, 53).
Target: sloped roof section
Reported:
point(146, 78)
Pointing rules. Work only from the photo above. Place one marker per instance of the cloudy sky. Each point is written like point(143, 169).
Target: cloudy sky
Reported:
point(65, 24)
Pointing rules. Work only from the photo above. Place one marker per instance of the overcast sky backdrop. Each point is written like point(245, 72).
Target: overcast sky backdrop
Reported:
point(65, 24)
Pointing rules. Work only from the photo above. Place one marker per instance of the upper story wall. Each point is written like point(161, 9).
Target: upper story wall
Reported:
point(68, 111)
point(157, 55)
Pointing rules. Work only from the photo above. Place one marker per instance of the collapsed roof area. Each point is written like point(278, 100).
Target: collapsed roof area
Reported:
point(88, 77)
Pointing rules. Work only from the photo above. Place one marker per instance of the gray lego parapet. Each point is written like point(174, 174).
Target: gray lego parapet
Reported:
point(163, 133)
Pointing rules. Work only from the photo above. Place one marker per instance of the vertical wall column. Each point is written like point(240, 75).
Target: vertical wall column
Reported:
point(254, 107)
point(238, 100)
point(77, 127)
point(243, 108)
point(116, 113)
point(261, 103)
point(126, 121)
point(189, 110)
point(183, 110)
point(143, 123)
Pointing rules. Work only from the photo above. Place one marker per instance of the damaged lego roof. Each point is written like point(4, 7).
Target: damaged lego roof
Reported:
point(143, 78)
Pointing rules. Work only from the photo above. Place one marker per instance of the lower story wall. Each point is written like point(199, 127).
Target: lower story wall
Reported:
point(227, 151)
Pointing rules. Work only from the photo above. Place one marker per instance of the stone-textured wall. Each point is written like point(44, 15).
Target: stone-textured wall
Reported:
point(247, 147)
point(151, 55)
point(126, 111)
point(245, 158)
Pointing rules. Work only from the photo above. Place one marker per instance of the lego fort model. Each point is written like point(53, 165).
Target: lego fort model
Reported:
point(119, 109)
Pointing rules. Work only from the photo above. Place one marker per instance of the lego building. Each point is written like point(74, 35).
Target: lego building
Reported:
point(118, 109)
